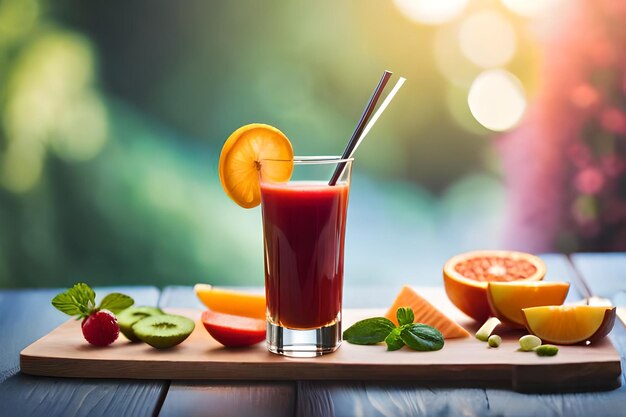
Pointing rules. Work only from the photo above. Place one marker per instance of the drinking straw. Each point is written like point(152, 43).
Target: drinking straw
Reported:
point(380, 111)
point(362, 129)
point(356, 134)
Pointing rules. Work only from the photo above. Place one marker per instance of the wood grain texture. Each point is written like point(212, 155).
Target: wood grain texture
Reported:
point(28, 315)
point(251, 398)
point(358, 398)
point(24, 395)
point(63, 353)
point(387, 400)
point(25, 316)
point(593, 271)
point(604, 273)
point(236, 399)
point(380, 399)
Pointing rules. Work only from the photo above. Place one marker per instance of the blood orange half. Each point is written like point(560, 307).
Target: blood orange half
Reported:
point(466, 276)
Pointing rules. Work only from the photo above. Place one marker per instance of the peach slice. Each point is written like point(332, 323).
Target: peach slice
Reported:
point(507, 299)
point(569, 324)
point(465, 277)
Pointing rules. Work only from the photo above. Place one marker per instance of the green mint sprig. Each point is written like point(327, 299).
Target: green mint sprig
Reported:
point(80, 301)
point(374, 330)
point(369, 331)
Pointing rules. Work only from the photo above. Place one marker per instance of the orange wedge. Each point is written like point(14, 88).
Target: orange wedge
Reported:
point(232, 302)
point(568, 325)
point(425, 313)
point(242, 162)
point(507, 299)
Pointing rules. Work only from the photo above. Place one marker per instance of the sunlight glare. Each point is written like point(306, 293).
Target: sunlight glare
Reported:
point(529, 8)
point(487, 39)
point(431, 11)
point(496, 99)
point(450, 60)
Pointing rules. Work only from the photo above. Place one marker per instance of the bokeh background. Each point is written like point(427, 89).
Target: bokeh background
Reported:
point(509, 133)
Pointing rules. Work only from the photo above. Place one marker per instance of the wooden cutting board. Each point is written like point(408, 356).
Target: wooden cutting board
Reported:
point(462, 362)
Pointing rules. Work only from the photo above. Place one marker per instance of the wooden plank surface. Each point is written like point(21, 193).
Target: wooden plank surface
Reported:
point(27, 315)
point(344, 398)
point(593, 271)
point(604, 273)
point(247, 398)
point(321, 398)
point(64, 353)
point(230, 399)
point(385, 399)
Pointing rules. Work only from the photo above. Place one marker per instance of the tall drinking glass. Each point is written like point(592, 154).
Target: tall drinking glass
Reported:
point(304, 225)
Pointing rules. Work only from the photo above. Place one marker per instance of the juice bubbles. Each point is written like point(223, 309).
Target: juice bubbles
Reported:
point(304, 227)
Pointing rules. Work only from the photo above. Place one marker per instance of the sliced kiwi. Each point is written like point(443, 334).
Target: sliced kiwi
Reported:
point(132, 315)
point(163, 331)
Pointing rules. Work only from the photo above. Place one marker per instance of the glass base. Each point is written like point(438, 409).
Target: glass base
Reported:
point(303, 343)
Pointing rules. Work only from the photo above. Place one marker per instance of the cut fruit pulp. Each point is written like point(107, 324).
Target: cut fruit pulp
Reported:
point(233, 331)
point(425, 313)
point(507, 299)
point(233, 302)
point(568, 325)
point(466, 276)
point(242, 162)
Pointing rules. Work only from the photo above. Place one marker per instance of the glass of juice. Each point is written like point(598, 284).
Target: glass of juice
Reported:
point(304, 225)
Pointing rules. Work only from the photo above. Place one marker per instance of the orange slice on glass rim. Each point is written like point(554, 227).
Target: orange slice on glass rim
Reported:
point(241, 162)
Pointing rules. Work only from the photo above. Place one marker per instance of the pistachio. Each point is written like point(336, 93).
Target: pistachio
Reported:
point(547, 350)
point(494, 341)
point(529, 342)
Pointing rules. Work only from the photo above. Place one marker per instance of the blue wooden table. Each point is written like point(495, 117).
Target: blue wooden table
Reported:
point(26, 315)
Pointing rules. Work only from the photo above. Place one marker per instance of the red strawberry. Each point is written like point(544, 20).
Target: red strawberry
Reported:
point(99, 325)
point(101, 328)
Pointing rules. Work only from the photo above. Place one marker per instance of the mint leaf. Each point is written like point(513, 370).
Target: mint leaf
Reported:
point(405, 315)
point(393, 339)
point(116, 302)
point(368, 331)
point(66, 304)
point(421, 337)
point(79, 300)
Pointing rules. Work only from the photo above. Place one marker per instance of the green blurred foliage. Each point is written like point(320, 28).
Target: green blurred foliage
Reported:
point(113, 115)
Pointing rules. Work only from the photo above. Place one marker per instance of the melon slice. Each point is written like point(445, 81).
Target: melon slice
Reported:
point(425, 313)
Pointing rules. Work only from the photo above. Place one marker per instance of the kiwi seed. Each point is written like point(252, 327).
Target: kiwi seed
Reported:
point(128, 317)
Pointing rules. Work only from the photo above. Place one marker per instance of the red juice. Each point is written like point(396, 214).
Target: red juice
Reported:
point(304, 227)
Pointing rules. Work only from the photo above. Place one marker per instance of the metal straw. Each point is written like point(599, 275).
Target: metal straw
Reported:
point(363, 127)
point(367, 112)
